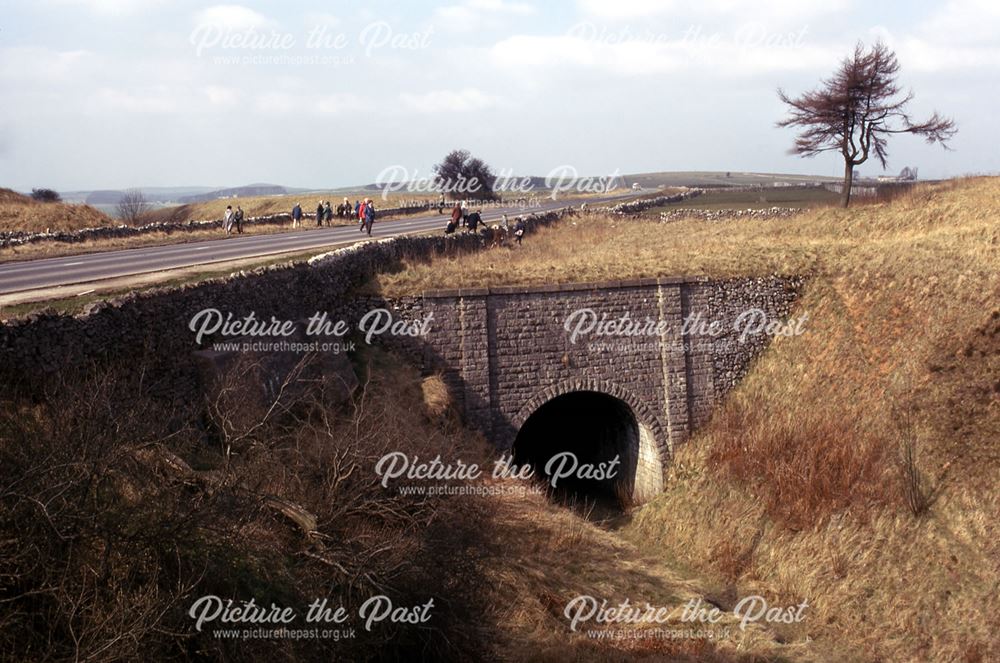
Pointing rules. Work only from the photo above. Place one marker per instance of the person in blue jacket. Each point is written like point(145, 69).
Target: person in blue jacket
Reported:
point(369, 216)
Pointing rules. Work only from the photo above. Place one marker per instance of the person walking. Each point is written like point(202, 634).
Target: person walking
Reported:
point(369, 216)
point(238, 219)
point(473, 221)
point(227, 219)
point(296, 215)
point(519, 230)
point(361, 215)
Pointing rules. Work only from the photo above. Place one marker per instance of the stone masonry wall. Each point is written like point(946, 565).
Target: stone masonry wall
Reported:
point(505, 351)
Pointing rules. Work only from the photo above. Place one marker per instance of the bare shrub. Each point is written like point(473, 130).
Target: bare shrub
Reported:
point(918, 490)
point(96, 568)
point(803, 470)
point(132, 206)
point(437, 400)
point(124, 510)
point(45, 196)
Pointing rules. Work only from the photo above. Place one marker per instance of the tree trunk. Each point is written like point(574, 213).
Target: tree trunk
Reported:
point(845, 197)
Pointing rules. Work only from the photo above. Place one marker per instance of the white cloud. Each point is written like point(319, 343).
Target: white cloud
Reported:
point(339, 103)
point(221, 97)
point(916, 54)
point(724, 55)
point(232, 17)
point(771, 12)
point(962, 22)
point(448, 101)
point(479, 14)
point(43, 65)
point(302, 103)
point(314, 19)
point(113, 7)
point(151, 99)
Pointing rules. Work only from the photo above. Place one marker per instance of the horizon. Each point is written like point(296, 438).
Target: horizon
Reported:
point(153, 93)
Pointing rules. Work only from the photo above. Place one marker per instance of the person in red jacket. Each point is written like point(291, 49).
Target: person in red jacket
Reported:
point(361, 215)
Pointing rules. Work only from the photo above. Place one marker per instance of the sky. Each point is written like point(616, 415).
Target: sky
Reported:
point(121, 93)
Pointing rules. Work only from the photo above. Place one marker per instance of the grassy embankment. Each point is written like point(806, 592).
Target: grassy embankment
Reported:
point(20, 212)
point(856, 467)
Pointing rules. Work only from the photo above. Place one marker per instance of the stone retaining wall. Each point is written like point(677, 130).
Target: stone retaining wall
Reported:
point(499, 348)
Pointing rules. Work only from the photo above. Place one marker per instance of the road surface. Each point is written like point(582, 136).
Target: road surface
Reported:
point(85, 268)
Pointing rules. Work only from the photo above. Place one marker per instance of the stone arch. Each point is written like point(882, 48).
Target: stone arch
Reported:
point(647, 455)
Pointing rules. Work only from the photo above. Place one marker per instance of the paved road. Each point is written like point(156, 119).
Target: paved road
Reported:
point(84, 268)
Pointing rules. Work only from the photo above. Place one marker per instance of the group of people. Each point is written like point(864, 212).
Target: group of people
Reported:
point(233, 219)
point(363, 211)
point(471, 222)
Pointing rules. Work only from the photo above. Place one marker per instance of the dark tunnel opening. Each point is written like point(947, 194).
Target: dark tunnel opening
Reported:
point(601, 433)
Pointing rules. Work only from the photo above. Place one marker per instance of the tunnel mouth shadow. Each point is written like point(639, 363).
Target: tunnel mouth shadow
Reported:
point(588, 442)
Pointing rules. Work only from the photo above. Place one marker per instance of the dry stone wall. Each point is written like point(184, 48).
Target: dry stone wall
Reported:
point(19, 238)
point(152, 326)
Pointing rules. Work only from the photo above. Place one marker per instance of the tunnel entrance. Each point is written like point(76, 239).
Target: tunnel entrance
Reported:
point(602, 436)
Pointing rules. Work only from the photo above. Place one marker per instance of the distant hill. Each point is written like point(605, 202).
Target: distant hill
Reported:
point(184, 194)
point(247, 191)
point(154, 194)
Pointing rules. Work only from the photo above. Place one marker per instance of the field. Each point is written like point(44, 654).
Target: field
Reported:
point(720, 179)
point(856, 466)
point(716, 199)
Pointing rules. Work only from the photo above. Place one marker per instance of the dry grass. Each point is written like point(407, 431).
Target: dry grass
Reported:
point(910, 234)
point(799, 486)
point(19, 212)
point(437, 401)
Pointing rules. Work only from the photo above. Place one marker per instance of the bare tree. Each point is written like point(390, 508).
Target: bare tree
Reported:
point(461, 175)
point(132, 206)
point(856, 110)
